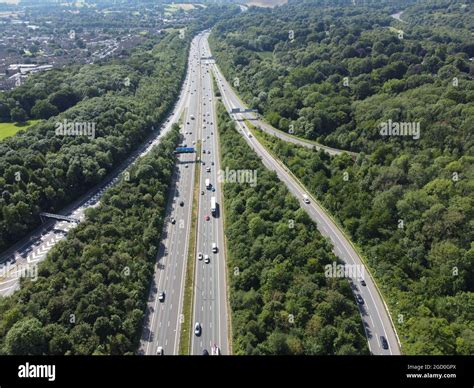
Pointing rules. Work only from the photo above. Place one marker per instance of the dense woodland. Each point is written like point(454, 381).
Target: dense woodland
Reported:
point(90, 295)
point(126, 99)
point(42, 171)
point(424, 265)
point(281, 301)
point(300, 84)
point(407, 203)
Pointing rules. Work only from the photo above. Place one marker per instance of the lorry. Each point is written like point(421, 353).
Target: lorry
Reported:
point(213, 206)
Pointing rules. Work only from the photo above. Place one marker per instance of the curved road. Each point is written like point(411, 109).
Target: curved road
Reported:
point(373, 311)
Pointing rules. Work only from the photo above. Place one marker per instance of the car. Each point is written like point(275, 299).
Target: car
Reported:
point(208, 169)
point(185, 166)
point(305, 199)
point(200, 256)
point(208, 152)
point(173, 221)
point(205, 352)
point(383, 342)
point(359, 299)
point(202, 192)
point(212, 163)
point(197, 329)
point(207, 259)
point(214, 247)
point(161, 296)
point(160, 351)
point(203, 162)
point(203, 151)
point(362, 282)
point(207, 218)
point(213, 189)
point(181, 203)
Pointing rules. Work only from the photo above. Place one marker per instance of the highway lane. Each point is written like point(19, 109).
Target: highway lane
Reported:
point(28, 252)
point(210, 292)
point(375, 317)
point(235, 102)
point(164, 318)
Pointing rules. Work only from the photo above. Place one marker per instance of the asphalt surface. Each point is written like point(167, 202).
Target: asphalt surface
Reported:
point(264, 126)
point(164, 318)
point(375, 317)
point(210, 299)
point(22, 258)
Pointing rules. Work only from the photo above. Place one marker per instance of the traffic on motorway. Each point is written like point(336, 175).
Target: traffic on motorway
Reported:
point(164, 320)
point(380, 332)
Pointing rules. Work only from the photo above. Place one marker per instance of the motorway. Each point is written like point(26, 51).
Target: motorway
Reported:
point(264, 126)
point(210, 296)
point(22, 258)
point(165, 319)
point(373, 311)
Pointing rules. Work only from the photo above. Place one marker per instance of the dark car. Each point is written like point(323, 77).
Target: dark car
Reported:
point(359, 299)
point(181, 203)
point(362, 282)
point(383, 342)
point(205, 352)
point(161, 296)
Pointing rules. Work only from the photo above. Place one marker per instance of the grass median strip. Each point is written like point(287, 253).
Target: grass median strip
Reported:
point(186, 328)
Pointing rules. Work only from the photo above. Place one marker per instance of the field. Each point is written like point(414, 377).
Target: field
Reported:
point(174, 7)
point(266, 3)
point(9, 129)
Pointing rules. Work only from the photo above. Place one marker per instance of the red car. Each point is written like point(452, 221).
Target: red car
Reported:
point(207, 218)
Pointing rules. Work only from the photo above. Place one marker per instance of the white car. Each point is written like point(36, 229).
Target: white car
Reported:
point(200, 256)
point(160, 351)
point(197, 329)
point(206, 259)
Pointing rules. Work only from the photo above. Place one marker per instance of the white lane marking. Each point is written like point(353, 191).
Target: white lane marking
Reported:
point(275, 166)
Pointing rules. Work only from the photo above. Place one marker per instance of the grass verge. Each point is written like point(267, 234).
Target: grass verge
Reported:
point(186, 328)
point(260, 136)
